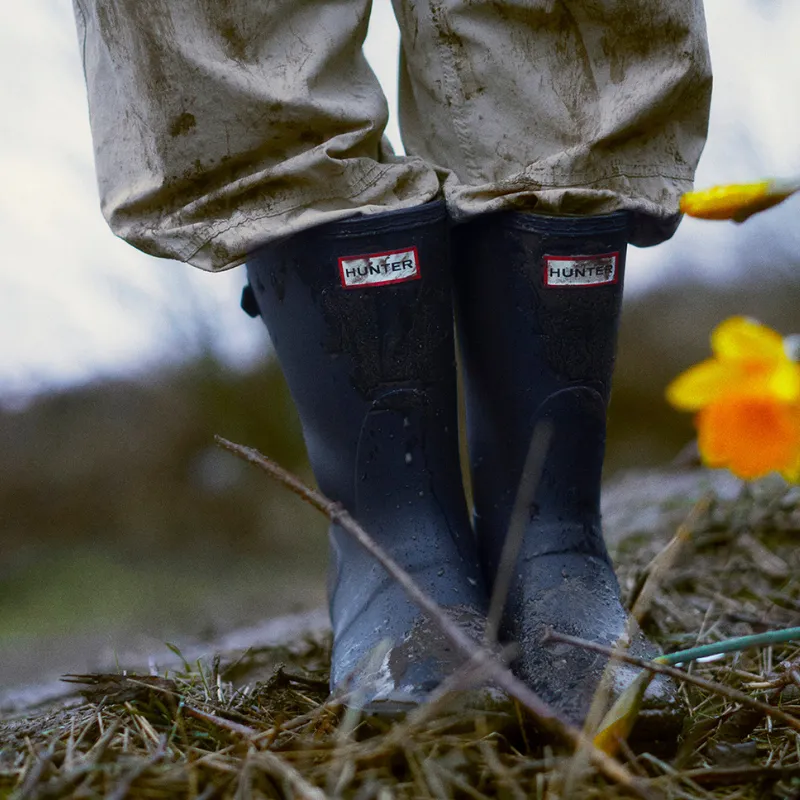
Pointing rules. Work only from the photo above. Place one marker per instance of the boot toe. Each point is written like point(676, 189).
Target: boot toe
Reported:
point(395, 677)
point(580, 598)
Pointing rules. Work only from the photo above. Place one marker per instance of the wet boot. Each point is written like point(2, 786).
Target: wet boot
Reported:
point(538, 302)
point(360, 314)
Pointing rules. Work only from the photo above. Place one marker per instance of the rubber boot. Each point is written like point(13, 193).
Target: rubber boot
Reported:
point(538, 301)
point(360, 314)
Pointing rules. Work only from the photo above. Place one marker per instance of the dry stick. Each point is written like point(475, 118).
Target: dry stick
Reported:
point(220, 722)
point(542, 713)
point(664, 561)
point(528, 483)
point(34, 772)
point(123, 786)
point(350, 720)
point(679, 674)
point(658, 567)
point(729, 776)
point(271, 763)
point(333, 704)
point(213, 719)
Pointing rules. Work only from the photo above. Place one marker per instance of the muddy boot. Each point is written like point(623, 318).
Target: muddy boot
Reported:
point(538, 301)
point(360, 315)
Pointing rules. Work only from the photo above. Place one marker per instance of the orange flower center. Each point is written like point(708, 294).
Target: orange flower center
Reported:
point(752, 436)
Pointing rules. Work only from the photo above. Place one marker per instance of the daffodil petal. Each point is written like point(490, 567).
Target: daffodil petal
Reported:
point(784, 384)
point(743, 339)
point(701, 384)
point(735, 201)
point(750, 436)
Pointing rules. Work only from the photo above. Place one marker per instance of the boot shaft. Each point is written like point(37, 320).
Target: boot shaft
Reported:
point(360, 314)
point(538, 308)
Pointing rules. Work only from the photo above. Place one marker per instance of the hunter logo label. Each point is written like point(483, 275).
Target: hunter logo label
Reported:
point(581, 270)
point(379, 269)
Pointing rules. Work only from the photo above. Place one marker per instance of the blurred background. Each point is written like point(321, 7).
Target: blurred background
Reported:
point(121, 525)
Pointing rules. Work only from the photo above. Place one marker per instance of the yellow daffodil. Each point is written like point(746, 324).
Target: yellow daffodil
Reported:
point(747, 399)
point(737, 201)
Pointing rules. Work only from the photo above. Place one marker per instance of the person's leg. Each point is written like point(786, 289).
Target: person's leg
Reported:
point(244, 132)
point(538, 302)
point(219, 126)
point(589, 119)
point(360, 314)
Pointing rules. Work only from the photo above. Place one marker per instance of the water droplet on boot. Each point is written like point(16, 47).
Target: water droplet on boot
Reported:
point(472, 581)
point(440, 572)
point(409, 458)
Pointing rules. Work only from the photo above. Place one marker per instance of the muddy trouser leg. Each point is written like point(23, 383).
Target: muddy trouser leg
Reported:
point(589, 119)
point(556, 106)
point(218, 127)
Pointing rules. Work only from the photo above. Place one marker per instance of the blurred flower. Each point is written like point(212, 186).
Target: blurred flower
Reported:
point(748, 401)
point(737, 201)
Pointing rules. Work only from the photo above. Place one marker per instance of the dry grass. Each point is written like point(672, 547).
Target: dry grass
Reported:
point(210, 731)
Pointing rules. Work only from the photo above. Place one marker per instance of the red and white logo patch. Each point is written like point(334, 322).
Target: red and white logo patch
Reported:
point(379, 269)
point(561, 271)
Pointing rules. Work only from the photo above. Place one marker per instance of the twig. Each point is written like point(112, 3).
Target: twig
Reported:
point(123, 787)
point(666, 558)
point(34, 772)
point(333, 704)
point(678, 674)
point(221, 722)
point(272, 763)
point(728, 776)
point(528, 483)
point(545, 716)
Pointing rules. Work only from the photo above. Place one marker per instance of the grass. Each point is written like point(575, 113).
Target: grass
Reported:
point(212, 730)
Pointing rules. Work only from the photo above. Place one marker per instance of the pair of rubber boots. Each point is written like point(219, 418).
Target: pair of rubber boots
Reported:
point(360, 313)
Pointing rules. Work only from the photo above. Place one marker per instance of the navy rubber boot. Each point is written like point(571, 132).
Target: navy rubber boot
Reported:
point(360, 313)
point(538, 304)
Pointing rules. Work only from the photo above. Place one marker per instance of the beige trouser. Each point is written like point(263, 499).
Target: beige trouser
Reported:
point(219, 125)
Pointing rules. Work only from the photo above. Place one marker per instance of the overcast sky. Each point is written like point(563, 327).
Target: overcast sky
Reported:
point(76, 303)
